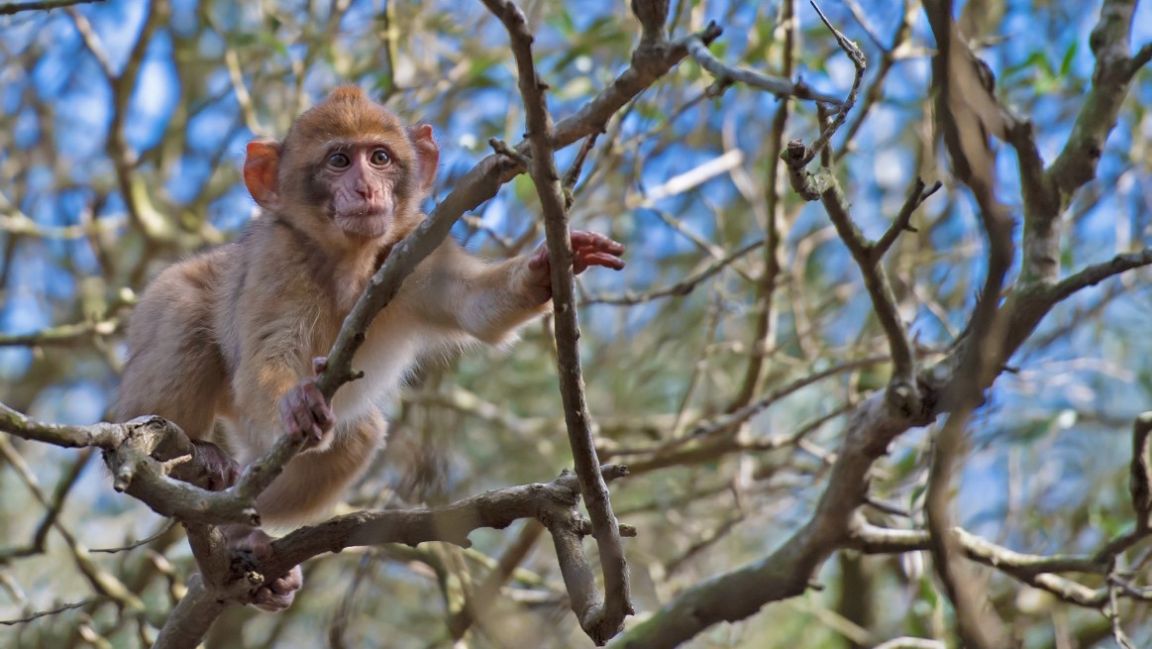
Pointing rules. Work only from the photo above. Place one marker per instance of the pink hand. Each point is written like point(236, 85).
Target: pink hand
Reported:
point(588, 249)
point(305, 412)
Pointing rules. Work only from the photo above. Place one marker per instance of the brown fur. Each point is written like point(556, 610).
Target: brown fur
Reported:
point(222, 337)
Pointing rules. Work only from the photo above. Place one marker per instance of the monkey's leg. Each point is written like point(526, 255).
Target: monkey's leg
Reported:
point(310, 484)
point(314, 481)
point(175, 369)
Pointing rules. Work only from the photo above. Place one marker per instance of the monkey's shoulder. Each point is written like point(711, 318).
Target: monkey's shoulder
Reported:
point(198, 276)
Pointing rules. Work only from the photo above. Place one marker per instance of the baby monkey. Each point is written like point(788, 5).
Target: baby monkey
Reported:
point(226, 344)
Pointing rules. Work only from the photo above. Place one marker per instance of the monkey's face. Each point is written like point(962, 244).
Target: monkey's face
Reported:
point(347, 167)
point(364, 186)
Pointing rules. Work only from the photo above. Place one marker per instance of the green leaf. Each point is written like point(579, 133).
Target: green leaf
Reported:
point(1069, 56)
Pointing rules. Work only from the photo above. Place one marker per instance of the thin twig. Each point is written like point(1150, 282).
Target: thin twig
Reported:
point(53, 611)
point(681, 288)
point(916, 196)
point(726, 74)
point(860, 63)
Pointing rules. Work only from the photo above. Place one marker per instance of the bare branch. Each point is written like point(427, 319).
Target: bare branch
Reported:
point(191, 617)
point(483, 596)
point(1092, 275)
point(105, 436)
point(976, 622)
point(63, 608)
point(821, 185)
point(726, 74)
point(10, 8)
point(1140, 480)
point(860, 63)
point(599, 620)
point(786, 571)
point(916, 197)
point(1114, 71)
point(65, 334)
point(1035, 570)
point(681, 288)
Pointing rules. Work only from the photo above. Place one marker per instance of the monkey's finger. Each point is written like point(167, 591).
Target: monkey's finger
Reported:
point(323, 417)
point(287, 413)
point(301, 414)
point(316, 404)
point(319, 364)
point(268, 600)
point(287, 583)
point(599, 259)
point(593, 240)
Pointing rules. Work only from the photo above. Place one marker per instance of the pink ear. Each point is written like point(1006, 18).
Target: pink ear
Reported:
point(427, 155)
point(261, 167)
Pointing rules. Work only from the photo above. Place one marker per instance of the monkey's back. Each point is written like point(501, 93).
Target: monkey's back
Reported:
point(175, 366)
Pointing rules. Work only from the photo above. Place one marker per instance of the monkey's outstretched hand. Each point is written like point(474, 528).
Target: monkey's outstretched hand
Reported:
point(305, 412)
point(588, 249)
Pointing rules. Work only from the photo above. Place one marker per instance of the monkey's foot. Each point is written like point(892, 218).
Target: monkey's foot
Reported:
point(253, 544)
point(276, 595)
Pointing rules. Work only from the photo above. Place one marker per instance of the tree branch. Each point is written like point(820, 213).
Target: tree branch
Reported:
point(726, 74)
point(10, 8)
point(600, 620)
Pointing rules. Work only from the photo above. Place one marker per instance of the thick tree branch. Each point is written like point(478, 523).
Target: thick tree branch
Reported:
point(967, 113)
point(786, 572)
point(1114, 71)
point(1047, 193)
point(553, 504)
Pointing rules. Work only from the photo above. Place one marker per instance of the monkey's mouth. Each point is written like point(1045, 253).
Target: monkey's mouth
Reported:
point(365, 212)
point(380, 208)
point(369, 221)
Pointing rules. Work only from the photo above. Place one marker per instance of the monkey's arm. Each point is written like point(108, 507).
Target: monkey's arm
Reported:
point(491, 300)
point(273, 383)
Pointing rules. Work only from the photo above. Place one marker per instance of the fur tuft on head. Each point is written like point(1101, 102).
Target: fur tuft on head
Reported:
point(346, 113)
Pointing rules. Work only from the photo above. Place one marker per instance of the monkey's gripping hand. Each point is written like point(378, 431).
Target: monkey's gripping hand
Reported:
point(305, 412)
point(214, 470)
point(588, 249)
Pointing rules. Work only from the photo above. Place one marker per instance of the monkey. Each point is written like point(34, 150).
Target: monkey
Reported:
point(227, 344)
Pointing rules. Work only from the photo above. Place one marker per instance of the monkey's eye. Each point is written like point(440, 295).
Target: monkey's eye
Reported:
point(380, 157)
point(338, 161)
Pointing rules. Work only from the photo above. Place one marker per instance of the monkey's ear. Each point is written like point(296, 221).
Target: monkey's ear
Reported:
point(427, 155)
point(261, 167)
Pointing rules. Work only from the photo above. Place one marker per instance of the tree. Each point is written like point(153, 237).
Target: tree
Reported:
point(876, 370)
